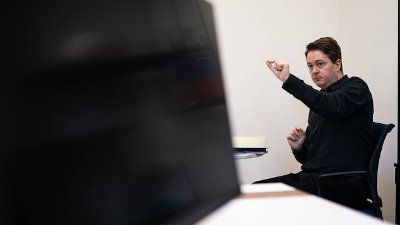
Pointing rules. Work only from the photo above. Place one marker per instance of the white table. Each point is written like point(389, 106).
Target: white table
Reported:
point(278, 203)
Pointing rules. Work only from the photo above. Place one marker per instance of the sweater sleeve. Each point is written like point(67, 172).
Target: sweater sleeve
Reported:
point(336, 104)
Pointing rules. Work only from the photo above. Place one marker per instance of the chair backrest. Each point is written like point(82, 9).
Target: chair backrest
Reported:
point(379, 133)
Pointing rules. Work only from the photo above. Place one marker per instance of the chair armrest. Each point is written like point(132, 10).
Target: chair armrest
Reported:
point(343, 173)
point(377, 201)
point(366, 174)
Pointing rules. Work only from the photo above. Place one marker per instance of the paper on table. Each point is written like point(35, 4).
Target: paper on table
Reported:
point(249, 142)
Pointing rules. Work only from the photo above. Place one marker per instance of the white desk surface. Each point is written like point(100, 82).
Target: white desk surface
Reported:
point(278, 203)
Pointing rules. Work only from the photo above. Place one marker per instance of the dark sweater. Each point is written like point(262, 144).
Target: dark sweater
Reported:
point(339, 132)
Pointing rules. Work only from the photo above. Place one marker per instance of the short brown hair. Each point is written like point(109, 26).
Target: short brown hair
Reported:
point(329, 46)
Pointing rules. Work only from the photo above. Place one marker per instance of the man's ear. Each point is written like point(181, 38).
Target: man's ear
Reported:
point(338, 64)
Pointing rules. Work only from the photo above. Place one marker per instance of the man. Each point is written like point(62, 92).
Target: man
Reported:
point(339, 133)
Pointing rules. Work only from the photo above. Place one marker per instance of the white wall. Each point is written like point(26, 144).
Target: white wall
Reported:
point(251, 31)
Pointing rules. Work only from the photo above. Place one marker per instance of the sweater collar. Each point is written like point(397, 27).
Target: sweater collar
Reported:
point(337, 84)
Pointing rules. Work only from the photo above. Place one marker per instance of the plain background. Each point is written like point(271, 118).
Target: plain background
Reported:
point(251, 31)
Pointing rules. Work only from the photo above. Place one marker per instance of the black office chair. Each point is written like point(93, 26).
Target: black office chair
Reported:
point(379, 133)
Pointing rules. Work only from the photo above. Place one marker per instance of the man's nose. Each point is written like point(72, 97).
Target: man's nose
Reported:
point(314, 70)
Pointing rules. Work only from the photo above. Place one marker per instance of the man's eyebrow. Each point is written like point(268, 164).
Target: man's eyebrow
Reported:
point(318, 60)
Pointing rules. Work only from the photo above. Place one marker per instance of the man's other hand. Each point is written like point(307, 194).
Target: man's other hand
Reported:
point(296, 138)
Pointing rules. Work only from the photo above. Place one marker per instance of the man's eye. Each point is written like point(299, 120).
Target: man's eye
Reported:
point(320, 64)
point(310, 66)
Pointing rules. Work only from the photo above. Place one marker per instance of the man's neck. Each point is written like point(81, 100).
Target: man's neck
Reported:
point(340, 75)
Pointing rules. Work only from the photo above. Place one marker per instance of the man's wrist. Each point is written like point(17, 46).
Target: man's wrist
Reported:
point(297, 149)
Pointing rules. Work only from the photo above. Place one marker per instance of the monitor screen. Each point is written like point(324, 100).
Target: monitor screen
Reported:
point(112, 112)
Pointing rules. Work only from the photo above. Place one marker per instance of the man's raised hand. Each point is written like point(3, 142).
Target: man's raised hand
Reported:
point(279, 68)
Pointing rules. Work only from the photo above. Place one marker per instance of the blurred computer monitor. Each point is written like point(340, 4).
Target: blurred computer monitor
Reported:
point(112, 112)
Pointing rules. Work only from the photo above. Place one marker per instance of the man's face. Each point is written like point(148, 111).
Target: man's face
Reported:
point(323, 72)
